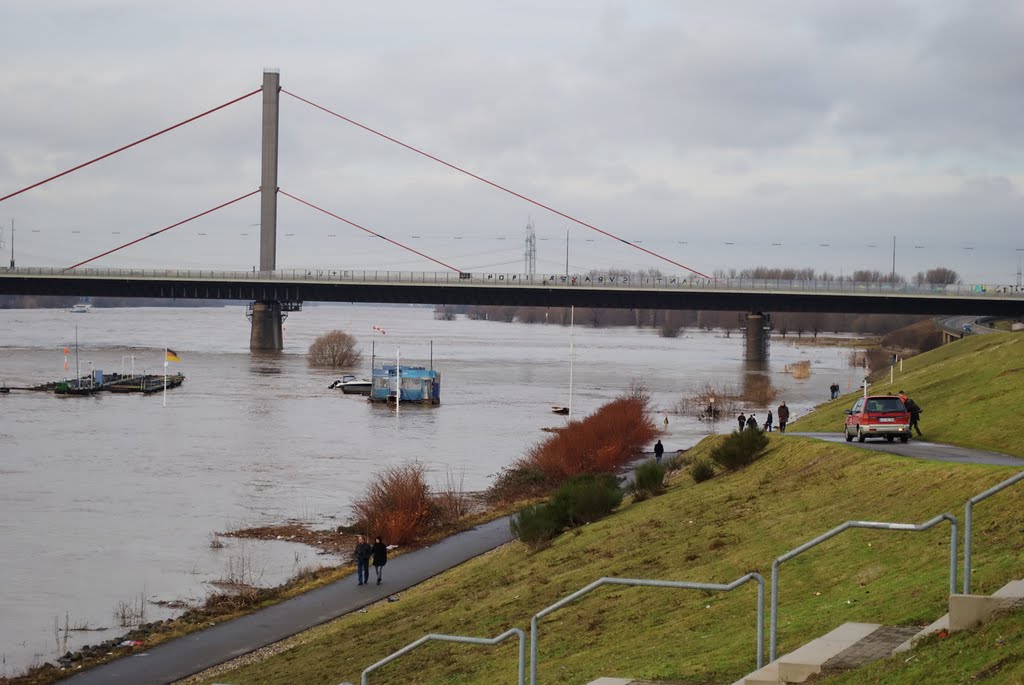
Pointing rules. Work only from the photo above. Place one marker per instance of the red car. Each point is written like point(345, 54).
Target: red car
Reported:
point(878, 416)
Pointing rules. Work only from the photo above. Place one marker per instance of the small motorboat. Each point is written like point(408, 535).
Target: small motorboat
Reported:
point(564, 411)
point(352, 385)
point(80, 308)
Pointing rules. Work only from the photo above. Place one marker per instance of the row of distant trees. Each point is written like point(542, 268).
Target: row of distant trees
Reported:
point(671, 322)
point(937, 276)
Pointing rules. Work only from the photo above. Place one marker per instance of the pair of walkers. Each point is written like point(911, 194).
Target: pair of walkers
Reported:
point(364, 552)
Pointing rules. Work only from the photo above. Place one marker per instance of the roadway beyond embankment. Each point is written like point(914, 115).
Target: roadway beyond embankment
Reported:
point(196, 652)
point(932, 451)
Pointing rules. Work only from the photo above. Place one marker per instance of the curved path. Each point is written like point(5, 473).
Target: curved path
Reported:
point(193, 653)
point(919, 449)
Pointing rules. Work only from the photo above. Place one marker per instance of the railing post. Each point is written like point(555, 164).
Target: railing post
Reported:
point(968, 520)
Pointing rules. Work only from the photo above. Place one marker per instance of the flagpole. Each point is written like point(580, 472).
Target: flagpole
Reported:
point(165, 376)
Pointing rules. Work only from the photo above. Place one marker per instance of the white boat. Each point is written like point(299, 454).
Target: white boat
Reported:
point(81, 308)
point(352, 385)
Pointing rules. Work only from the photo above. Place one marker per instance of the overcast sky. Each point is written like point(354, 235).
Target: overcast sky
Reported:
point(718, 134)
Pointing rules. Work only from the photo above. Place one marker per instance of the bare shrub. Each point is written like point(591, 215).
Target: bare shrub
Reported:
point(396, 504)
point(799, 370)
point(131, 612)
point(698, 402)
point(334, 349)
point(452, 503)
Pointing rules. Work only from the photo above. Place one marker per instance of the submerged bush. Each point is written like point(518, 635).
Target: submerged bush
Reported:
point(739, 449)
point(701, 470)
point(648, 480)
point(335, 349)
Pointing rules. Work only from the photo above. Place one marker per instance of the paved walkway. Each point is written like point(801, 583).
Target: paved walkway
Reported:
point(193, 653)
point(918, 449)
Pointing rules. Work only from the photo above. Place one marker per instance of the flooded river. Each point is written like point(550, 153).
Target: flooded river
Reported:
point(108, 499)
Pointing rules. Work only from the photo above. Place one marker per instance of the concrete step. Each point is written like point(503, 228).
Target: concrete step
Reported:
point(802, 663)
point(1004, 596)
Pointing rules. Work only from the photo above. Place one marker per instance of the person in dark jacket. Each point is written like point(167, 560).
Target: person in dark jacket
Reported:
point(659, 450)
point(362, 554)
point(915, 415)
point(768, 422)
point(743, 421)
point(752, 422)
point(783, 414)
point(380, 556)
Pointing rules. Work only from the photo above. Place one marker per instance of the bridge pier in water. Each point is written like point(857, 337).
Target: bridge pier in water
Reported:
point(757, 336)
point(267, 333)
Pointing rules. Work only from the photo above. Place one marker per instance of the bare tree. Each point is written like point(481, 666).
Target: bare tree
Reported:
point(334, 349)
point(937, 276)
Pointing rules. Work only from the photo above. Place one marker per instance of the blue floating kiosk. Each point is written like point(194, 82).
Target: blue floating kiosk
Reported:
point(401, 384)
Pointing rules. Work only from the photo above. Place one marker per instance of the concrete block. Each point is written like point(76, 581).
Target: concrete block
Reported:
point(612, 681)
point(1012, 590)
point(968, 611)
point(766, 675)
point(802, 663)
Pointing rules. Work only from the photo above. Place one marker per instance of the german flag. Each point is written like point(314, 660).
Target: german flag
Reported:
point(172, 356)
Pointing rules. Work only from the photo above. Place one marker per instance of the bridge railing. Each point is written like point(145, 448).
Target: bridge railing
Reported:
point(602, 281)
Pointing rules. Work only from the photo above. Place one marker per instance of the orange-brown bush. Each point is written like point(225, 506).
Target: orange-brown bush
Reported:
point(396, 504)
point(610, 437)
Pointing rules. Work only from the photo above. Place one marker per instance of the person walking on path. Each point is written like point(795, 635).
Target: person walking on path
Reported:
point(752, 422)
point(834, 388)
point(659, 450)
point(783, 414)
point(362, 554)
point(380, 556)
point(768, 422)
point(743, 421)
point(915, 414)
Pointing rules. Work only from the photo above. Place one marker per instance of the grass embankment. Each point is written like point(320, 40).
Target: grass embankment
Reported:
point(712, 532)
point(972, 393)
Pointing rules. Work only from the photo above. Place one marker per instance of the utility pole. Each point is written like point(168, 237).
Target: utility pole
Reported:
point(567, 253)
point(894, 262)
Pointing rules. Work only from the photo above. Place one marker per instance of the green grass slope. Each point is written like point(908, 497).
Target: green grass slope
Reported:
point(972, 392)
point(712, 532)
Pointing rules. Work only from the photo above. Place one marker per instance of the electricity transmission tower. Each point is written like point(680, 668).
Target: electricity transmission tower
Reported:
point(531, 249)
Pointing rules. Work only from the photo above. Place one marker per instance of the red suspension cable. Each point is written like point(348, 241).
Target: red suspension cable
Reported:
point(373, 233)
point(492, 183)
point(147, 237)
point(122, 149)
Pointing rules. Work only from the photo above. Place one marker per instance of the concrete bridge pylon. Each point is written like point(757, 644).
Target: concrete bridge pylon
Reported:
point(266, 316)
point(757, 336)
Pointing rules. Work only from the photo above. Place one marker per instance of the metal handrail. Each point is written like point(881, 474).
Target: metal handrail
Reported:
point(968, 512)
point(364, 678)
point(878, 525)
point(651, 583)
